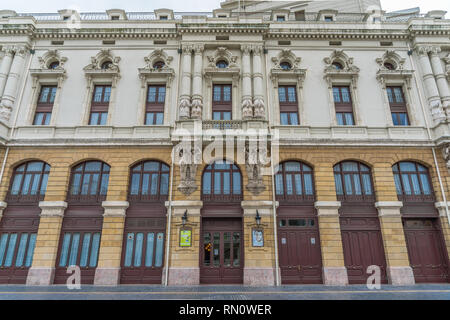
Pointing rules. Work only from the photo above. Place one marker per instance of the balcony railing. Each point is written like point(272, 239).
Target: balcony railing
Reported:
point(222, 124)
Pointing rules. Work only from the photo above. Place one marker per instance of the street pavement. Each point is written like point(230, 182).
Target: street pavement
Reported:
point(126, 292)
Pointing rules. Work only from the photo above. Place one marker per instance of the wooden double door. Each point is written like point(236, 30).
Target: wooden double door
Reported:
point(299, 250)
point(18, 232)
point(143, 250)
point(363, 247)
point(221, 251)
point(426, 249)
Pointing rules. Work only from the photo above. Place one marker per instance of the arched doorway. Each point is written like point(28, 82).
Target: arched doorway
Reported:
point(81, 230)
point(221, 243)
point(298, 232)
point(360, 226)
point(20, 221)
point(145, 224)
point(426, 247)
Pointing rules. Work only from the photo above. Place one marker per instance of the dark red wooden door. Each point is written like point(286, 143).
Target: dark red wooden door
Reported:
point(426, 250)
point(143, 250)
point(18, 232)
point(221, 251)
point(363, 247)
point(79, 244)
point(299, 251)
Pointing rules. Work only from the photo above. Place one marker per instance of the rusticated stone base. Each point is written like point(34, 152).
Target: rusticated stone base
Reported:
point(40, 276)
point(259, 277)
point(335, 276)
point(401, 276)
point(184, 277)
point(107, 277)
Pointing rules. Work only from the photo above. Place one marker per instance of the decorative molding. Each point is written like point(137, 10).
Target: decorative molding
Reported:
point(189, 158)
point(253, 165)
point(94, 69)
point(148, 71)
point(115, 208)
point(447, 66)
point(446, 154)
point(295, 72)
point(53, 208)
point(52, 56)
point(222, 53)
point(348, 71)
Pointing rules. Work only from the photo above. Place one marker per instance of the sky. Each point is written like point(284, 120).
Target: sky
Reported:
point(179, 5)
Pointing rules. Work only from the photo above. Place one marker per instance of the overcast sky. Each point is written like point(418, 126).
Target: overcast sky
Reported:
point(178, 5)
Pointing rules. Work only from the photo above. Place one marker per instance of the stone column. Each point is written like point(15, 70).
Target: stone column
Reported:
point(10, 91)
point(197, 87)
point(431, 88)
point(185, 90)
point(110, 253)
point(183, 265)
point(334, 270)
point(398, 266)
point(247, 104)
point(259, 108)
point(5, 67)
point(3, 206)
point(42, 271)
point(441, 80)
point(444, 223)
point(259, 262)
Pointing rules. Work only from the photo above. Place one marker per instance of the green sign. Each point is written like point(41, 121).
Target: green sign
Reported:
point(185, 238)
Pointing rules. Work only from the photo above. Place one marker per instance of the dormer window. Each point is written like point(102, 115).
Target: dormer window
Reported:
point(159, 65)
point(328, 18)
point(338, 66)
point(53, 65)
point(115, 18)
point(281, 18)
point(222, 16)
point(106, 65)
point(163, 18)
point(222, 64)
point(286, 66)
point(65, 18)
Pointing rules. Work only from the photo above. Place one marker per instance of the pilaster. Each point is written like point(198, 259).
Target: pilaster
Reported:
point(398, 266)
point(42, 271)
point(108, 268)
point(259, 267)
point(334, 270)
point(183, 265)
point(442, 208)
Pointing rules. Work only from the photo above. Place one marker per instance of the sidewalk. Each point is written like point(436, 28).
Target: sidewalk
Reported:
point(387, 292)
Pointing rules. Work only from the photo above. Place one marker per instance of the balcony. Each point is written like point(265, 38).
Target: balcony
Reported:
point(222, 124)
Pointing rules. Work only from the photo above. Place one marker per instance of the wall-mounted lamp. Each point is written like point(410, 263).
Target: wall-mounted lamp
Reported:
point(258, 218)
point(184, 218)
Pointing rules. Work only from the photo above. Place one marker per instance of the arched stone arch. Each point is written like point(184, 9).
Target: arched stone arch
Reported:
point(390, 56)
point(50, 57)
point(222, 53)
point(286, 55)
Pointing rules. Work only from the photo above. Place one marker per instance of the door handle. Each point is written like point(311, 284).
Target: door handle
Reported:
point(299, 268)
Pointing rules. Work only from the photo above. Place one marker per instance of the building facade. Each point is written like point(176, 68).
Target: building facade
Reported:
point(257, 144)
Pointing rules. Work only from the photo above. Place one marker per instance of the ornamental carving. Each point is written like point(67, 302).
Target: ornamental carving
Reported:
point(222, 53)
point(286, 56)
point(446, 153)
point(339, 66)
point(189, 158)
point(253, 165)
point(52, 60)
point(157, 64)
point(103, 64)
point(447, 67)
point(392, 68)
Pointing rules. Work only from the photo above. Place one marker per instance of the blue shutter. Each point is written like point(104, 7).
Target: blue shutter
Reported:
point(138, 249)
point(129, 249)
point(30, 252)
point(85, 250)
point(3, 241)
point(22, 248)
point(64, 250)
point(149, 251)
point(94, 250)
point(74, 249)
point(10, 252)
point(159, 250)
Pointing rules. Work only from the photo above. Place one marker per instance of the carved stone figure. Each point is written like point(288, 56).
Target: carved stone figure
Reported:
point(437, 111)
point(259, 109)
point(253, 166)
point(247, 109)
point(446, 152)
point(197, 106)
point(189, 159)
point(185, 111)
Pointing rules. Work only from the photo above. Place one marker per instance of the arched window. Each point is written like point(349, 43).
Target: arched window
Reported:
point(222, 181)
point(106, 65)
point(29, 182)
point(412, 182)
point(149, 181)
point(389, 66)
point(294, 181)
point(285, 66)
point(159, 65)
point(89, 182)
point(54, 65)
point(353, 182)
point(337, 65)
point(222, 64)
